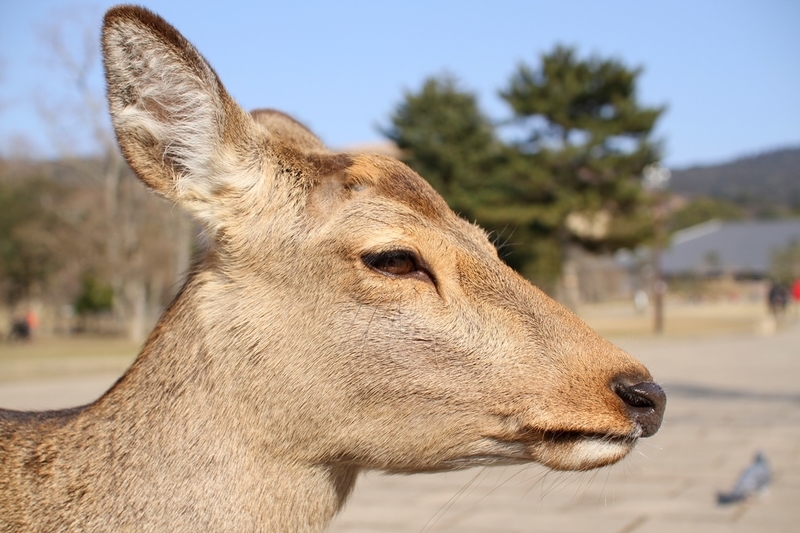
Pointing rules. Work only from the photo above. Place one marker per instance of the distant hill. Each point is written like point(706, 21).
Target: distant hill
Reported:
point(771, 179)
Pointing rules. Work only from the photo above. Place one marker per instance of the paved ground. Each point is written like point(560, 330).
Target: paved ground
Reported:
point(728, 397)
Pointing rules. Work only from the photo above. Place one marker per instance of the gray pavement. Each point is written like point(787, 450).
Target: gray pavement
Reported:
point(727, 398)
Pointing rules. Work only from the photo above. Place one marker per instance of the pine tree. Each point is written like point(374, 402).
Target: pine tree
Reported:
point(585, 129)
point(586, 140)
point(445, 137)
point(573, 179)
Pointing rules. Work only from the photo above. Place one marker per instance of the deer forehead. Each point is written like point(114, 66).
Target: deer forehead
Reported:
point(394, 180)
point(337, 178)
point(381, 201)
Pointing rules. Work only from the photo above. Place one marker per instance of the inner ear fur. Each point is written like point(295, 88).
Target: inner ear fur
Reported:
point(187, 139)
point(176, 125)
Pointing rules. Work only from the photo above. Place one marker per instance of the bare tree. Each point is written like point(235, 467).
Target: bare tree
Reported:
point(138, 258)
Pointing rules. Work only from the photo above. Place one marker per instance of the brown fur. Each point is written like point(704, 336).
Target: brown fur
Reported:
point(292, 359)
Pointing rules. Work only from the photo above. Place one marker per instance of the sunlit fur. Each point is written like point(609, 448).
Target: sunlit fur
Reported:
point(287, 364)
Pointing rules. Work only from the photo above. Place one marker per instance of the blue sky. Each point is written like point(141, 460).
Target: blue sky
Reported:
point(729, 71)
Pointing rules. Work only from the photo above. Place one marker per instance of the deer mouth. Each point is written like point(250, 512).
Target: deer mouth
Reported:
point(566, 450)
point(575, 450)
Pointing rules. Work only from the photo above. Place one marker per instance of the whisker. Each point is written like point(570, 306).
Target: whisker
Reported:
point(449, 504)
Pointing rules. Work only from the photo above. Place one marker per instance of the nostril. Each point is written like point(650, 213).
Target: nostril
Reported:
point(646, 402)
point(637, 395)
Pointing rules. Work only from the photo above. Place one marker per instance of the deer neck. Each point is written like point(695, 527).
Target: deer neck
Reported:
point(183, 412)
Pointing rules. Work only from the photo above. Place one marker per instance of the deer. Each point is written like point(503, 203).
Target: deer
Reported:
point(342, 319)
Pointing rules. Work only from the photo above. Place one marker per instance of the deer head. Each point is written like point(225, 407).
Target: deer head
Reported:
point(349, 315)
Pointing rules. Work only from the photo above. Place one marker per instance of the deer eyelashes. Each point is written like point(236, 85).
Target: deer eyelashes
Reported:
point(398, 264)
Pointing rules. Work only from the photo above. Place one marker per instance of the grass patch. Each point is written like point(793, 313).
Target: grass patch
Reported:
point(65, 356)
point(682, 319)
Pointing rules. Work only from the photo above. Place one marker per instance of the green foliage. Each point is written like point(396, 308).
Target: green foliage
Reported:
point(573, 178)
point(95, 296)
point(702, 210)
point(26, 236)
point(785, 266)
point(595, 97)
point(445, 137)
point(585, 129)
point(765, 185)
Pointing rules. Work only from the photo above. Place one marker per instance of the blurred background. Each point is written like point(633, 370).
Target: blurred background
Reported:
point(585, 136)
point(638, 161)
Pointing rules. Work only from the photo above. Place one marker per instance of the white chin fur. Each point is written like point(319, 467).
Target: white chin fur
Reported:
point(592, 452)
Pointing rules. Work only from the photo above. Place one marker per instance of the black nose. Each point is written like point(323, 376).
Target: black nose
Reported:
point(646, 402)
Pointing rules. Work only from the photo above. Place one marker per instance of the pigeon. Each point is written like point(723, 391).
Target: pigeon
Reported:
point(753, 481)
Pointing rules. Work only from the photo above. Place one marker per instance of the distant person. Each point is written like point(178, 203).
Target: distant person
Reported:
point(795, 298)
point(641, 301)
point(777, 298)
point(20, 330)
point(32, 319)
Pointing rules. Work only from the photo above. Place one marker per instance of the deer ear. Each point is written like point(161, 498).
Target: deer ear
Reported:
point(288, 130)
point(180, 131)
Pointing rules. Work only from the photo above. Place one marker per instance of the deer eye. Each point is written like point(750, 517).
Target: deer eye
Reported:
point(397, 263)
point(394, 263)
